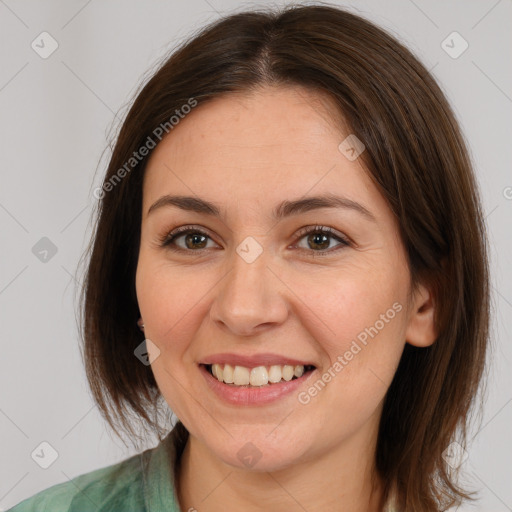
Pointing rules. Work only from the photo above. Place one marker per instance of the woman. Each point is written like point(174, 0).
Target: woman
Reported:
point(290, 252)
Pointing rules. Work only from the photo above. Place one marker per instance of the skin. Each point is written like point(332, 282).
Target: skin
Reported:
point(247, 153)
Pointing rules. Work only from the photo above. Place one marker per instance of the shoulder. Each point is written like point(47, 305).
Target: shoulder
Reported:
point(115, 487)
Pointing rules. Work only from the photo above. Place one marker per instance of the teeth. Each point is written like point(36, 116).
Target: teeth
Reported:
point(241, 376)
point(259, 376)
point(275, 374)
point(298, 371)
point(228, 374)
point(288, 372)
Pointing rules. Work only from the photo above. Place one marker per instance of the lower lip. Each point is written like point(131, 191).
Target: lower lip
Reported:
point(239, 395)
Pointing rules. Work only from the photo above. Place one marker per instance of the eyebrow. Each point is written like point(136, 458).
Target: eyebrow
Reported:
point(282, 210)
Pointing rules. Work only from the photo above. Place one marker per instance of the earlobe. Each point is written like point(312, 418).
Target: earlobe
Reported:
point(421, 331)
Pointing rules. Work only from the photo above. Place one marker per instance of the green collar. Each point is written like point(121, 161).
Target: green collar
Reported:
point(158, 465)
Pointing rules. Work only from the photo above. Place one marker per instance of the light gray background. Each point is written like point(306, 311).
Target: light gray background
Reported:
point(55, 117)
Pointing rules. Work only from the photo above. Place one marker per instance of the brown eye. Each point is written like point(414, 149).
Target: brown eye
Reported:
point(193, 238)
point(318, 239)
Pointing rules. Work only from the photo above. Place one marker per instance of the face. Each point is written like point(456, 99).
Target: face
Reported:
point(262, 277)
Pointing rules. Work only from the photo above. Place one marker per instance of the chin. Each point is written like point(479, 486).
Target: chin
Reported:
point(260, 452)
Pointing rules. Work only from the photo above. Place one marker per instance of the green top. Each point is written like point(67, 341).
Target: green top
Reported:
point(142, 483)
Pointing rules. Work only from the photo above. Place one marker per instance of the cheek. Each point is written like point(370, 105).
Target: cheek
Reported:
point(358, 321)
point(345, 304)
point(172, 302)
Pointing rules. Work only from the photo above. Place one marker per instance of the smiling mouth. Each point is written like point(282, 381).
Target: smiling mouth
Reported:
point(260, 376)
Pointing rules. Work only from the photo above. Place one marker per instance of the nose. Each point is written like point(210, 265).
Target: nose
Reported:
point(250, 298)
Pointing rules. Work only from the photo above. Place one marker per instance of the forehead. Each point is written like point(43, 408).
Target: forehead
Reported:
point(269, 117)
point(264, 144)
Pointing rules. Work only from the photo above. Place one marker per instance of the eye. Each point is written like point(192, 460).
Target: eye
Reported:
point(319, 238)
point(193, 239)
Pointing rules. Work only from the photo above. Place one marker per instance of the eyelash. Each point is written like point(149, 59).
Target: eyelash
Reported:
point(167, 240)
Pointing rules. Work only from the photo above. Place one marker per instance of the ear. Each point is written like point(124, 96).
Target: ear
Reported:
point(421, 331)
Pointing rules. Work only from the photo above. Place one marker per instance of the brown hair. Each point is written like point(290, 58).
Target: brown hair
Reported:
point(418, 159)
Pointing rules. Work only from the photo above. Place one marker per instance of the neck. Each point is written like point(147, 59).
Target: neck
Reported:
point(342, 478)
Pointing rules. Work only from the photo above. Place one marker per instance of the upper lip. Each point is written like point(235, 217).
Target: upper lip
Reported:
point(254, 360)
